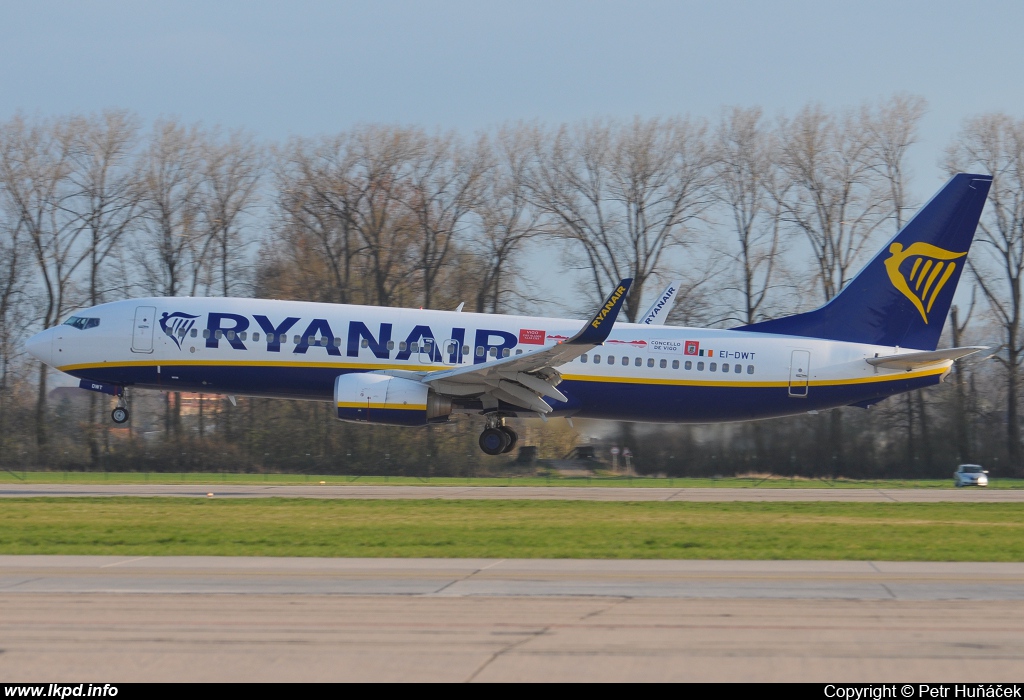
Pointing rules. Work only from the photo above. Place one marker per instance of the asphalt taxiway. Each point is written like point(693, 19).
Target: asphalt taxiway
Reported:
point(560, 493)
point(110, 619)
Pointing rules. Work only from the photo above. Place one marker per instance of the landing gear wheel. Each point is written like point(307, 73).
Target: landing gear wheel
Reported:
point(119, 415)
point(513, 437)
point(494, 441)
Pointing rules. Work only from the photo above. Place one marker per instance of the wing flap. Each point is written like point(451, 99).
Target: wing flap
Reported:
point(523, 396)
point(541, 386)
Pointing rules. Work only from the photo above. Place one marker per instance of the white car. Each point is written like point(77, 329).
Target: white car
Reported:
point(970, 475)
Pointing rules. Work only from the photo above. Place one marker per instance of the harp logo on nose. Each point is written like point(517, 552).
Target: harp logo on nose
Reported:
point(177, 325)
point(920, 272)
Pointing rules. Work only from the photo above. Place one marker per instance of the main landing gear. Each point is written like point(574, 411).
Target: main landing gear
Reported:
point(497, 438)
point(120, 414)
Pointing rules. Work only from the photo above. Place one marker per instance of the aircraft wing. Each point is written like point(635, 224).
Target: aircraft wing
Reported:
point(523, 379)
point(913, 360)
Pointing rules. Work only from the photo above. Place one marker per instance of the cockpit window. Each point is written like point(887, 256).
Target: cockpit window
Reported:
point(81, 322)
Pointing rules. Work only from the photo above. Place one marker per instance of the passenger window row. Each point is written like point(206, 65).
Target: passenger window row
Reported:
point(625, 361)
point(193, 333)
point(736, 368)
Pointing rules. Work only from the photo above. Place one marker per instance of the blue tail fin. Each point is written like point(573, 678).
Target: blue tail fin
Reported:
point(903, 295)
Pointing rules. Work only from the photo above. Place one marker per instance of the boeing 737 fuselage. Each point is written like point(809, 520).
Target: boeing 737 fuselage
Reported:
point(416, 367)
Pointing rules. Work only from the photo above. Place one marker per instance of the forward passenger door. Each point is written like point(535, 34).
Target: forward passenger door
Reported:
point(142, 335)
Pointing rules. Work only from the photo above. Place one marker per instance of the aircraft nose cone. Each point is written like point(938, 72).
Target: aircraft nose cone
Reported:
point(40, 346)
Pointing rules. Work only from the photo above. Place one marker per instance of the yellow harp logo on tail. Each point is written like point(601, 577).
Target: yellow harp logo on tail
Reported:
point(930, 269)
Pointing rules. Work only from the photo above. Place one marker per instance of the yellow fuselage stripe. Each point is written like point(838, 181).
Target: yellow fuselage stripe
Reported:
point(895, 376)
point(819, 382)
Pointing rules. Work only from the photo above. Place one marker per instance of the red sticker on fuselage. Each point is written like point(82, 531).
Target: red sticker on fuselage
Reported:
point(529, 337)
point(691, 347)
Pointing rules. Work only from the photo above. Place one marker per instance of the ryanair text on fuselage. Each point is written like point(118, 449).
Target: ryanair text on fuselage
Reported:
point(318, 334)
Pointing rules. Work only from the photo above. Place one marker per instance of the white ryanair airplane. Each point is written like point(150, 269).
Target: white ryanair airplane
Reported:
point(877, 338)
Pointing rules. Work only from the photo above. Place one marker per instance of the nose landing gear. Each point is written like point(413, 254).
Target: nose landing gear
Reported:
point(497, 438)
point(120, 414)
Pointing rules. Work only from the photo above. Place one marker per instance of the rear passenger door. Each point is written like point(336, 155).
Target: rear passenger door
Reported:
point(799, 373)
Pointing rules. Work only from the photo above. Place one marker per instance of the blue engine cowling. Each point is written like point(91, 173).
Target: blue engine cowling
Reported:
point(364, 397)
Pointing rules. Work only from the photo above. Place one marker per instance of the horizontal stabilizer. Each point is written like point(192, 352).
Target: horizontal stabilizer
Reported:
point(913, 360)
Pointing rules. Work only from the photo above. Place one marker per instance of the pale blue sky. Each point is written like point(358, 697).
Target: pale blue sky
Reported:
point(312, 67)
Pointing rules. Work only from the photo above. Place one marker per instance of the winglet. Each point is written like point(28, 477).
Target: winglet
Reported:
point(662, 305)
point(600, 326)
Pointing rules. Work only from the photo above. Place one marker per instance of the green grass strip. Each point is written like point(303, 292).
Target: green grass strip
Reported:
point(513, 529)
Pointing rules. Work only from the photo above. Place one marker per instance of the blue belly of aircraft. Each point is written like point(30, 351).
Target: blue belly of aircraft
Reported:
point(710, 404)
point(624, 401)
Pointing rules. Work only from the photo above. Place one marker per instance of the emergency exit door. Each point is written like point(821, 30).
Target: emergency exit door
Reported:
point(451, 352)
point(427, 351)
point(142, 335)
point(799, 373)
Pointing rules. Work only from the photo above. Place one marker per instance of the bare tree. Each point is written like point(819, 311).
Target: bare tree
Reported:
point(892, 130)
point(34, 170)
point(231, 175)
point(830, 191)
point(11, 280)
point(377, 183)
point(994, 144)
point(13, 308)
point(744, 180)
point(313, 214)
point(35, 185)
point(171, 181)
point(106, 196)
point(624, 194)
point(444, 183)
point(345, 198)
point(506, 218)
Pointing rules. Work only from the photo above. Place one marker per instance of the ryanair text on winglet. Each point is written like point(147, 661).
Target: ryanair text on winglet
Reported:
point(596, 323)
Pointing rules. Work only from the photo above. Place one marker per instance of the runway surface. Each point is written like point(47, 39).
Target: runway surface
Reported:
point(110, 619)
point(853, 580)
point(538, 493)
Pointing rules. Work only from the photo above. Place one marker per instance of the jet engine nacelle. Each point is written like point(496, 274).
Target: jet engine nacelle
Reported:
point(379, 398)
